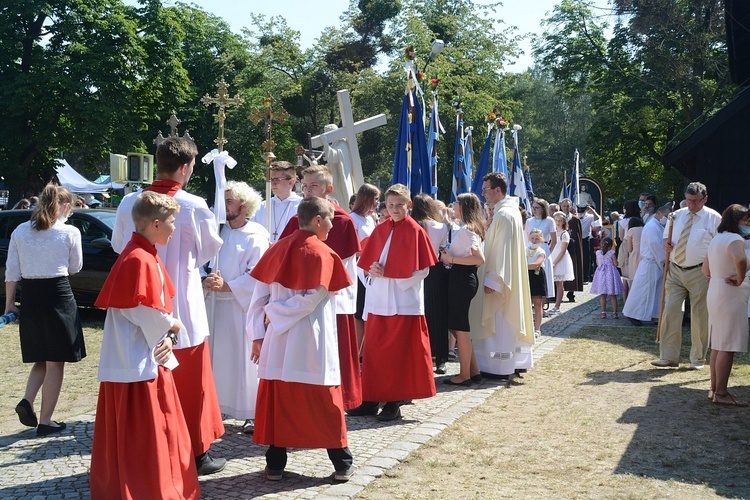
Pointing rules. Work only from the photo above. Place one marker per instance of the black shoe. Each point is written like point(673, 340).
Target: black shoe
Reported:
point(367, 408)
point(465, 383)
point(635, 322)
point(571, 297)
point(391, 411)
point(477, 378)
point(26, 414)
point(207, 465)
point(440, 369)
point(46, 430)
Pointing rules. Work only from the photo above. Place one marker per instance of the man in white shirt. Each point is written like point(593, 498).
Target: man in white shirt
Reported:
point(284, 201)
point(694, 227)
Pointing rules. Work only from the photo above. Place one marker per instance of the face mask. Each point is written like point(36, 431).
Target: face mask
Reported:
point(663, 222)
point(536, 245)
point(744, 230)
point(651, 209)
point(63, 219)
point(641, 204)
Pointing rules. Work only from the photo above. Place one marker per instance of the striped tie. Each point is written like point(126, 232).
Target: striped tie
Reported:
point(680, 251)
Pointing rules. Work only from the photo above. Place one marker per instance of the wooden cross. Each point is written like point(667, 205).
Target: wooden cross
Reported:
point(348, 133)
point(222, 101)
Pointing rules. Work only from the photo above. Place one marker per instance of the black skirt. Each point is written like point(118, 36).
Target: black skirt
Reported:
point(538, 283)
point(462, 287)
point(436, 311)
point(361, 291)
point(49, 323)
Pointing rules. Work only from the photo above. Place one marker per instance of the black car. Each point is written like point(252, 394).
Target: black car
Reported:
point(96, 225)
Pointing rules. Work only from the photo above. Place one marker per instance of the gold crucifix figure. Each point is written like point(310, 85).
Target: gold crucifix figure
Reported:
point(267, 115)
point(222, 101)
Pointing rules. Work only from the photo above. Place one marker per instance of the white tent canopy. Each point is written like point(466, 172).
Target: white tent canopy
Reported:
point(77, 183)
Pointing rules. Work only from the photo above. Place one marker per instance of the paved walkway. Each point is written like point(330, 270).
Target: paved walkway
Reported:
point(57, 467)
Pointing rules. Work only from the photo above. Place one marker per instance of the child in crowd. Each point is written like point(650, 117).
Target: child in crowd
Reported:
point(141, 445)
point(537, 281)
point(562, 263)
point(397, 361)
point(293, 322)
point(606, 281)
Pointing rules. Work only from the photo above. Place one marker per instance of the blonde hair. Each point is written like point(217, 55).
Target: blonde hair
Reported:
point(321, 170)
point(246, 196)
point(563, 217)
point(398, 190)
point(47, 211)
point(536, 232)
point(149, 206)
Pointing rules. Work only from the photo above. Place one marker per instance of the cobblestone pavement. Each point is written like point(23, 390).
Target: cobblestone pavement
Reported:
point(57, 467)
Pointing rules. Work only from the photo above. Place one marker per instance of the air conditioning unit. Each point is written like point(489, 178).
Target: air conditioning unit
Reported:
point(140, 168)
point(118, 165)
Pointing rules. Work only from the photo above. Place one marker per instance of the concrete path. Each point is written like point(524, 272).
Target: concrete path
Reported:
point(57, 467)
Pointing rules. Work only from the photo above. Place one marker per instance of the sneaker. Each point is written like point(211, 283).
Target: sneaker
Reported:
point(391, 411)
point(344, 475)
point(440, 369)
point(273, 475)
point(249, 426)
point(697, 365)
point(663, 363)
point(207, 465)
point(537, 334)
point(452, 356)
point(615, 316)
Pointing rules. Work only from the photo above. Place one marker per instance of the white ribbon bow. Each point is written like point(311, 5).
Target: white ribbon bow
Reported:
point(220, 161)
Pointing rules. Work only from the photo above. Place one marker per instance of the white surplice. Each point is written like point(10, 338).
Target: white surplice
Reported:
point(645, 292)
point(283, 211)
point(195, 241)
point(236, 376)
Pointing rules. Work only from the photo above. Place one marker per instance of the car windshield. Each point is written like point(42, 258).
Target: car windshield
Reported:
point(107, 217)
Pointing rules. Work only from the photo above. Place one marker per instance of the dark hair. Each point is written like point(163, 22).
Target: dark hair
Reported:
point(731, 218)
point(311, 207)
point(545, 207)
point(497, 180)
point(652, 197)
point(635, 222)
point(631, 209)
point(424, 207)
point(284, 166)
point(606, 244)
point(696, 188)
point(366, 196)
point(472, 213)
point(47, 211)
point(174, 153)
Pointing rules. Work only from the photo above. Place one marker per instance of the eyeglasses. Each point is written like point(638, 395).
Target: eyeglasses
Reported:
point(276, 180)
point(484, 190)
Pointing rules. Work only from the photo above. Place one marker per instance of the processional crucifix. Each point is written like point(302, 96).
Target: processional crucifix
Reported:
point(222, 101)
point(173, 132)
point(267, 116)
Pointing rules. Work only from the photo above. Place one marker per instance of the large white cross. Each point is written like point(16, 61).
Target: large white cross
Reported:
point(347, 171)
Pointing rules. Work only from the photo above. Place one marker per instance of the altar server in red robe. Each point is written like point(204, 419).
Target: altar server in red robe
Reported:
point(292, 320)
point(343, 239)
point(141, 446)
point(397, 361)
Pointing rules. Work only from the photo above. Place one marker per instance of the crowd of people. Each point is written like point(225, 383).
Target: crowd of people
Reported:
point(334, 313)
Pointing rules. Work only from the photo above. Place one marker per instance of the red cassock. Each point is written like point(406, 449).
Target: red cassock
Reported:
point(195, 377)
point(343, 239)
point(141, 446)
point(397, 359)
point(294, 414)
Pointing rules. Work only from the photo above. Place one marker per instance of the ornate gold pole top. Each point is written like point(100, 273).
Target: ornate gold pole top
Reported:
point(267, 115)
point(222, 101)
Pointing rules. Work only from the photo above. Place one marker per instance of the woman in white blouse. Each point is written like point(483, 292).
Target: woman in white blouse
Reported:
point(541, 220)
point(363, 211)
point(462, 254)
point(41, 255)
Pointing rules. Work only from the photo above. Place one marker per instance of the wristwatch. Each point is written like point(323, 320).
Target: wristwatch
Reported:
point(173, 337)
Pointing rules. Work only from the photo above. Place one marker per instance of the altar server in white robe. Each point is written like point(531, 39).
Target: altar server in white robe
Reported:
point(645, 292)
point(501, 319)
point(284, 201)
point(228, 290)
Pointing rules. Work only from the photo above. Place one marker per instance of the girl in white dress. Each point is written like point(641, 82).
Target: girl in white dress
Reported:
point(561, 261)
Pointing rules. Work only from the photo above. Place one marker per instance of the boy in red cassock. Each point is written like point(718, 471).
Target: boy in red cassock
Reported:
point(141, 445)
